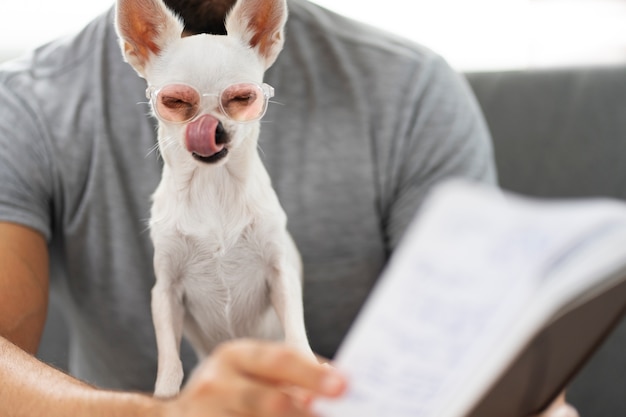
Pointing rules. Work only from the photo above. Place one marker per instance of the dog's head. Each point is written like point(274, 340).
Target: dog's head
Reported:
point(206, 90)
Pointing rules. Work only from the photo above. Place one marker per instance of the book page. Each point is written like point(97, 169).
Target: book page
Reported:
point(466, 268)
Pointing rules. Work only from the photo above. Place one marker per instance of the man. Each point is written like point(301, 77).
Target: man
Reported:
point(364, 124)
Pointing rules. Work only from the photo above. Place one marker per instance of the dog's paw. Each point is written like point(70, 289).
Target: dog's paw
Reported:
point(168, 382)
point(164, 391)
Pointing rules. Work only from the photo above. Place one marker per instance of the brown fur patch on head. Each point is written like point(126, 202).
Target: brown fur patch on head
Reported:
point(202, 16)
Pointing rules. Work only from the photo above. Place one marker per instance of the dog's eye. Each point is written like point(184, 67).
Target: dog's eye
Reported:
point(240, 106)
point(175, 103)
point(242, 99)
point(176, 109)
point(242, 102)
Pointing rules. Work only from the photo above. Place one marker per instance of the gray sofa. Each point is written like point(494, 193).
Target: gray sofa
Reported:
point(556, 134)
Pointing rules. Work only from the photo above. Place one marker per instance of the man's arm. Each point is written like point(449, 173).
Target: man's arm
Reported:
point(240, 378)
point(30, 387)
point(23, 285)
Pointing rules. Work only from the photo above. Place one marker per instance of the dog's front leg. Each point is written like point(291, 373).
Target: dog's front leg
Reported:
point(167, 315)
point(286, 298)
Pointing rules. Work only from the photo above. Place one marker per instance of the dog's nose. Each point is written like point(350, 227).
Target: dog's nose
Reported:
point(220, 134)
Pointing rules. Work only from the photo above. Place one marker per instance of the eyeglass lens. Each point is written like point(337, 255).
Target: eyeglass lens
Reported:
point(179, 102)
point(242, 102)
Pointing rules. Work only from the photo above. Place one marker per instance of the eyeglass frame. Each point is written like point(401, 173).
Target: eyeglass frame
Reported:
point(152, 92)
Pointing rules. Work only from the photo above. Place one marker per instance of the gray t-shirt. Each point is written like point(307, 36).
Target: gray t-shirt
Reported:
point(363, 123)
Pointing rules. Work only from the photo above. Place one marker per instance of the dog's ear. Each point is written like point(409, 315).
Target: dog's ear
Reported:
point(260, 23)
point(145, 27)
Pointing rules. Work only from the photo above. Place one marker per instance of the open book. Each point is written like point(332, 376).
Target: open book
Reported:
point(488, 308)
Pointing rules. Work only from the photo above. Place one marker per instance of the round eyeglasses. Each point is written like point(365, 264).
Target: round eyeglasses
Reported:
point(180, 103)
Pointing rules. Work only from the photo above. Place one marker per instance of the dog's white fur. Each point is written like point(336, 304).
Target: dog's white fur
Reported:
point(223, 256)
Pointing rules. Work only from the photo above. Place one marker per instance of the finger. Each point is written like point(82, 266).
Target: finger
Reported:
point(305, 398)
point(263, 400)
point(281, 364)
point(270, 402)
point(559, 408)
point(301, 397)
point(564, 410)
point(218, 389)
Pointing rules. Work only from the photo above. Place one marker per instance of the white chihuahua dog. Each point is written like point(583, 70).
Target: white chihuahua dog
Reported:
point(223, 256)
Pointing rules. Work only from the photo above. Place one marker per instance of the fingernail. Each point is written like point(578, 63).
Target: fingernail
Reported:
point(333, 383)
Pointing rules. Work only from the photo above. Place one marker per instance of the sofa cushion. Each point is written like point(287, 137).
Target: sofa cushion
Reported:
point(558, 133)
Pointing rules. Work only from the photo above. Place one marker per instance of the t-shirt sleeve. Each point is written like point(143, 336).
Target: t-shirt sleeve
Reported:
point(440, 133)
point(25, 171)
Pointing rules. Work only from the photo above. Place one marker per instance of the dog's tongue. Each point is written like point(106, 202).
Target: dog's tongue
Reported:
point(200, 136)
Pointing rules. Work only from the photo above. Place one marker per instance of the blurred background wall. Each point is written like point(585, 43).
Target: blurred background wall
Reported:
point(473, 35)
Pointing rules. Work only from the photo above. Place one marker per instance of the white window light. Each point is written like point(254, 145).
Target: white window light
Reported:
point(504, 34)
point(471, 35)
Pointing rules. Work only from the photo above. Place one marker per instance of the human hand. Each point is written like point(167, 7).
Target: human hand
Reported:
point(253, 378)
point(559, 408)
